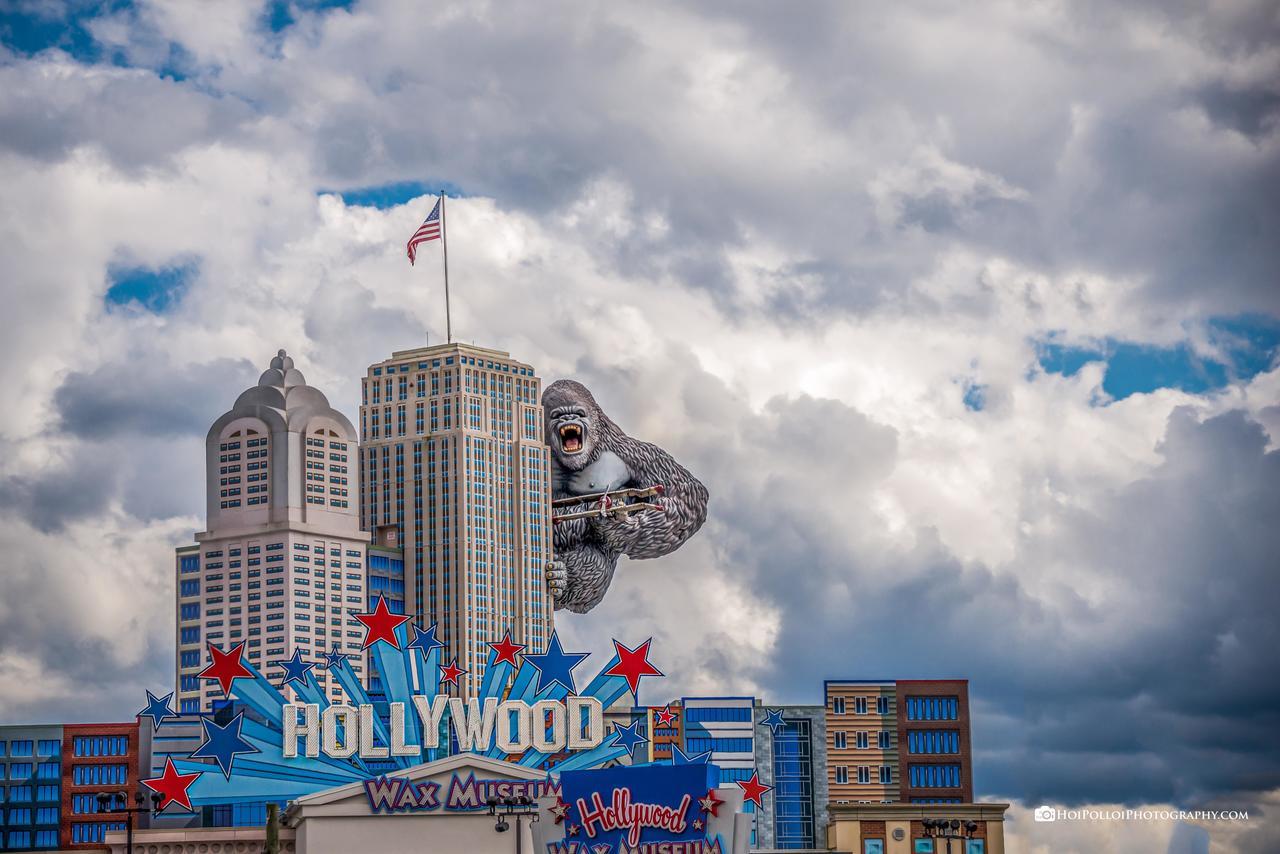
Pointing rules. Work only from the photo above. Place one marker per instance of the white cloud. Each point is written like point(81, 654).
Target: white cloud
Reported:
point(781, 245)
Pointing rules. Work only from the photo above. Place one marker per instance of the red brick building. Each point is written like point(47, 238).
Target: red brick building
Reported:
point(96, 758)
point(898, 741)
point(936, 765)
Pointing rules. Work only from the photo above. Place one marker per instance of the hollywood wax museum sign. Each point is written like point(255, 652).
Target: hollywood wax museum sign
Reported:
point(645, 809)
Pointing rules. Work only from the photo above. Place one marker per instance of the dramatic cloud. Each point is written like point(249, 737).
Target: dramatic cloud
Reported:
point(966, 316)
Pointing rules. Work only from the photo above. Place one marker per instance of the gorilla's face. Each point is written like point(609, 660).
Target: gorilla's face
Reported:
point(569, 434)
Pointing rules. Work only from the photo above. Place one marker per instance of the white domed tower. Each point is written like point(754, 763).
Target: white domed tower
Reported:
point(281, 565)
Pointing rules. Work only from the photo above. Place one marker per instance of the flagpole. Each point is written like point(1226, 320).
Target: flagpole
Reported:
point(444, 241)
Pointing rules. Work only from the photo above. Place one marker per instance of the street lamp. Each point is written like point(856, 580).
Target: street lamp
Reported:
point(949, 829)
point(117, 803)
point(520, 807)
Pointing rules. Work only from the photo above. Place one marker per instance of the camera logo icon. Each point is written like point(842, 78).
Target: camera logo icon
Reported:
point(1046, 813)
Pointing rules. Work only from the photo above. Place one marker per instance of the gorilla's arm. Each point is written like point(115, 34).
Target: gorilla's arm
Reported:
point(681, 511)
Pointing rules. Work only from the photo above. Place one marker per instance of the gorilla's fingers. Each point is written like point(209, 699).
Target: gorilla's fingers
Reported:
point(557, 579)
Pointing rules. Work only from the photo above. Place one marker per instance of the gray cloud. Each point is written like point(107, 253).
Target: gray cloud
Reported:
point(145, 395)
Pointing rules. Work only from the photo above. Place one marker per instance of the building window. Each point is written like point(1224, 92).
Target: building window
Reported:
point(837, 705)
point(861, 740)
point(49, 747)
point(842, 774)
point(859, 705)
point(864, 774)
point(934, 776)
point(933, 708)
point(933, 741)
point(884, 739)
point(886, 774)
point(97, 775)
point(882, 705)
point(840, 741)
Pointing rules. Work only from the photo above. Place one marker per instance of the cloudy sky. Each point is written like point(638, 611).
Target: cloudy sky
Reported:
point(967, 316)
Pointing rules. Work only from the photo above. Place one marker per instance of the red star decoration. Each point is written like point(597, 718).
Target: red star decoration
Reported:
point(506, 650)
point(449, 673)
point(227, 667)
point(382, 624)
point(571, 830)
point(560, 810)
point(632, 664)
point(664, 716)
point(173, 786)
point(753, 790)
point(710, 803)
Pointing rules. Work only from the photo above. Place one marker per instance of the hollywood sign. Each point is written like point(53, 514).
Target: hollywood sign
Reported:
point(512, 726)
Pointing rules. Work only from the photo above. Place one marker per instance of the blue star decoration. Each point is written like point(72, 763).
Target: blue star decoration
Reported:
point(556, 665)
point(679, 757)
point(628, 737)
point(425, 640)
point(334, 658)
point(773, 720)
point(295, 669)
point(158, 709)
point(223, 743)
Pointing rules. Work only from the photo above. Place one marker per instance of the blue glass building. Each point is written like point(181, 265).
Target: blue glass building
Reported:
point(792, 759)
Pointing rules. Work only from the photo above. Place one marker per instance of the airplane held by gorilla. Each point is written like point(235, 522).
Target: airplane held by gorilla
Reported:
point(612, 495)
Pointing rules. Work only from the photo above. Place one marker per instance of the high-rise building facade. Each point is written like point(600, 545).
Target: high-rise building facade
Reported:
point(904, 741)
point(935, 754)
point(97, 758)
point(281, 565)
point(791, 757)
point(31, 768)
point(666, 727)
point(455, 472)
point(725, 727)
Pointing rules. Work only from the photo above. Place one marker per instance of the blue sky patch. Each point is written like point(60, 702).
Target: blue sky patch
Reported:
point(156, 289)
point(383, 196)
point(28, 32)
point(279, 14)
point(1248, 345)
point(975, 396)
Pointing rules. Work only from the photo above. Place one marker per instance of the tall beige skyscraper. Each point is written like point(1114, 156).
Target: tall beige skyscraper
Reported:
point(281, 564)
point(455, 471)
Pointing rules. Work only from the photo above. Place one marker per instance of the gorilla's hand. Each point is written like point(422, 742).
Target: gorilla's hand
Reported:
point(619, 533)
point(557, 579)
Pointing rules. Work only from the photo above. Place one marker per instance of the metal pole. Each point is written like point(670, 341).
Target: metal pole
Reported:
point(519, 836)
point(129, 831)
point(444, 241)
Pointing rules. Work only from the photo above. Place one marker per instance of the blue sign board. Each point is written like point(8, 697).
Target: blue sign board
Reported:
point(631, 805)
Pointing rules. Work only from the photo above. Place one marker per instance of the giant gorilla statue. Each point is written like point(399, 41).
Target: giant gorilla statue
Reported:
point(591, 454)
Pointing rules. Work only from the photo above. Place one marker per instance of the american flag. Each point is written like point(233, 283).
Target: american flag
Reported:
point(429, 230)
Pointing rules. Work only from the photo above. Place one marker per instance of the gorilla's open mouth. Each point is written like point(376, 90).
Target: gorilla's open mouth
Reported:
point(571, 438)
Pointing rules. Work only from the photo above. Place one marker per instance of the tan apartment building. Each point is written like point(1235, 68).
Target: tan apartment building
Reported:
point(281, 564)
point(455, 471)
